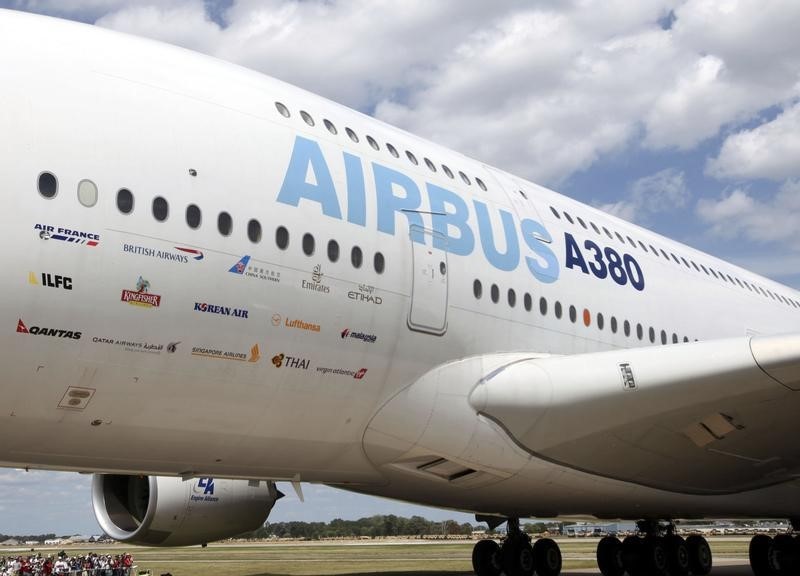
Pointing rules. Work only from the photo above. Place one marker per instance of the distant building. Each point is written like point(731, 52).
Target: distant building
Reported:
point(53, 542)
point(10, 542)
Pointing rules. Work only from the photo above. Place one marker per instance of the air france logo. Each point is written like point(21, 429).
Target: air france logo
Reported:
point(47, 232)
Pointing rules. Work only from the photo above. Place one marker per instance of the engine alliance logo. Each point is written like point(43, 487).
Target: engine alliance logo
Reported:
point(47, 232)
point(368, 338)
point(203, 491)
point(141, 296)
point(55, 332)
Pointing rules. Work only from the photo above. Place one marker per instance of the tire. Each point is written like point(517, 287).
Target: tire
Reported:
point(677, 556)
point(517, 558)
point(654, 557)
point(486, 558)
point(784, 555)
point(759, 555)
point(632, 556)
point(609, 557)
point(546, 557)
point(700, 558)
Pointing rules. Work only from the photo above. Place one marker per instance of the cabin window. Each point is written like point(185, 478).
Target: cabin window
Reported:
point(481, 184)
point(193, 216)
point(465, 179)
point(282, 110)
point(356, 257)
point(254, 231)
point(333, 250)
point(639, 331)
point(495, 293)
point(412, 158)
point(512, 297)
point(87, 193)
point(614, 325)
point(477, 289)
point(373, 143)
point(652, 334)
point(308, 244)
point(160, 208)
point(447, 171)
point(555, 212)
point(125, 201)
point(379, 262)
point(431, 166)
point(353, 136)
point(626, 328)
point(48, 185)
point(558, 310)
point(543, 306)
point(307, 117)
point(282, 237)
point(573, 314)
point(527, 301)
point(392, 150)
point(224, 223)
point(330, 126)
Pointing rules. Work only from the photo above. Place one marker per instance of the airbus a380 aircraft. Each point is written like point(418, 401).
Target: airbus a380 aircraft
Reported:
point(214, 280)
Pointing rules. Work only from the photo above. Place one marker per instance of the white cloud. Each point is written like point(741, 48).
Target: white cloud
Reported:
point(771, 150)
point(664, 191)
point(739, 214)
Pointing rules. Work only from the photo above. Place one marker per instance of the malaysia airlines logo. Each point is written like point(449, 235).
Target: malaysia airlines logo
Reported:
point(191, 252)
point(368, 338)
point(240, 266)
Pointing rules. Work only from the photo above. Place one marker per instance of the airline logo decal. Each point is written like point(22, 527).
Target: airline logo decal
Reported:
point(47, 232)
point(134, 345)
point(365, 294)
point(243, 268)
point(297, 323)
point(141, 296)
point(368, 338)
point(180, 256)
point(203, 491)
point(50, 280)
point(39, 331)
point(221, 310)
point(253, 357)
point(282, 360)
point(316, 284)
point(355, 374)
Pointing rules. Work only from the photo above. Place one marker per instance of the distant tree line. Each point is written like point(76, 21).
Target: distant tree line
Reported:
point(31, 537)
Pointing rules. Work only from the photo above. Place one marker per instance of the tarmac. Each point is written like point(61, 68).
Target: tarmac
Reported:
point(722, 568)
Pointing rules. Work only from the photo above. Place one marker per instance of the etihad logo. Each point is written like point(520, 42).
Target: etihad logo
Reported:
point(316, 284)
point(368, 338)
point(284, 361)
point(253, 357)
point(50, 280)
point(355, 374)
point(141, 296)
point(301, 325)
point(130, 345)
point(179, 256)
point(47, 232)
point(365, 294)
point(221, 310)
point(39, 331)
point(244, 268)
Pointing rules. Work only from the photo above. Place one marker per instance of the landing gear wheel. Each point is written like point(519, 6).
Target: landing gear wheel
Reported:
point(700, 559)
point(517, 555)
point(632, 555)
point(783, 555)
point(546, 557)
point(486, 558)
point(759, 555)
point(609, 557)
point(654, 558)
point(677, 556)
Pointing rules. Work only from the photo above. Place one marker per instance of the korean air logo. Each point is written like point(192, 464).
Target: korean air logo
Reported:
point(240, 266)
point(204, 486)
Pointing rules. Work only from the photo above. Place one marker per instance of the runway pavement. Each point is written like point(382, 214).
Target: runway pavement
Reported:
point(721, 568)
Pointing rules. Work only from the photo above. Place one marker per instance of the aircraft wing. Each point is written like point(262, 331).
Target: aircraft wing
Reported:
point(707, 418)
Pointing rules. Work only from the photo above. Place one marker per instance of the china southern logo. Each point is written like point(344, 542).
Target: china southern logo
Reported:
point(141, 296)
point(240, 266)
point(204, 486)
point(38, 331)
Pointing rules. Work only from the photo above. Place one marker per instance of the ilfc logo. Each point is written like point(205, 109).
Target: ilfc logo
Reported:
point(204, 486)
point(50, 280)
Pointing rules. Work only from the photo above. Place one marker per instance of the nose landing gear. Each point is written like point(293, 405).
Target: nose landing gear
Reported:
point(516, 556)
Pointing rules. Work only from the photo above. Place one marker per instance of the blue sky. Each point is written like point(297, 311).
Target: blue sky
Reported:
point(680, 115)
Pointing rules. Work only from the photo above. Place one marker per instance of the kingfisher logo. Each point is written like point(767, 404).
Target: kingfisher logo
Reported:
point(368, 338)
point(141, 296)
point(47, 232)
point(39, 331)
point(203, 491)
point(240, 266)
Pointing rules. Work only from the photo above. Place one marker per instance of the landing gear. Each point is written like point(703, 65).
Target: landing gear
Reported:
point(516, 556)
point(776, 556)
point(660, 551)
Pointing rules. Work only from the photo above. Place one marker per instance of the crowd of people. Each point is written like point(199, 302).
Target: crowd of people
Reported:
point(88, 565)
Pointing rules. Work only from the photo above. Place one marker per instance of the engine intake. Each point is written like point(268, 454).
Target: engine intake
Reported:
point(170, 511)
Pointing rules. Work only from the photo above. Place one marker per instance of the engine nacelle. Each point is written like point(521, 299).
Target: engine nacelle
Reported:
point(170, 511)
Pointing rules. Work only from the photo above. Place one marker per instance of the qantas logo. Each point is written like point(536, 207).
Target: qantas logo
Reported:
point(47, 232)
point(38, 331)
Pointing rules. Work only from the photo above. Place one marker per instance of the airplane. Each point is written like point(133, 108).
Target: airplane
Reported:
point(215, 281)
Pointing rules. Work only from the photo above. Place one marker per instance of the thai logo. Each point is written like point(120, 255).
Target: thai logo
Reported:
point(281, 360)
point(141, 296)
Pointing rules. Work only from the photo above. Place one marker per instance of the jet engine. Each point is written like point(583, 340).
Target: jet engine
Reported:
point(171, 511)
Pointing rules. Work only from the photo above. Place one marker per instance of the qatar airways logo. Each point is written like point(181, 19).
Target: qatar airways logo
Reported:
point(401, 204)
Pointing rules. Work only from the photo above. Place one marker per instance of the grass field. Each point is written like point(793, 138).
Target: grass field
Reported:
point(354, 559)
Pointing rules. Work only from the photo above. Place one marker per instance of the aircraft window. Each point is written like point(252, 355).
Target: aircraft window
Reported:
point(495, 293)
point(528, 301)
point(447, 171)
point(664, 254)
point(714, 273)
point(607, 232)
point(694, 265)
point(307, 117)
point(685, 338)
point(558, 310)
point(555, 212)
point(630, 241)
point(642, 246)
point(581, 222)
point(663, 337)
point(282, 237)
point(704, 269)
point(160, 208)
point(308, 244)
point(614, 324)
point(674, 338)
point(392, 150)
point(464, 177)
point(639, 331)
point(283, 110)
point(47, 185)
point(600, 321)
point(512, 297)
point(330, 126)
point(333, 250)
point(653, 248)
point(373, 143)
point(573, 314)
point(626, 328)
point(477, 289)
point(619, 237)
point(729, 278)
point(543, 306)
point(125, 201)
point(739, 282)
point(379, 262)
point(412, 158)
point(193, 216)
point(675, 258)
point(353, 136)
point(356, 257)
point(431, 166)
point(748, 286)
point(224, 223)
point(685, 262)
point(481, 184)
point(594, 227)
point(254, 231)
point(87, 193)
point(569, 218)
